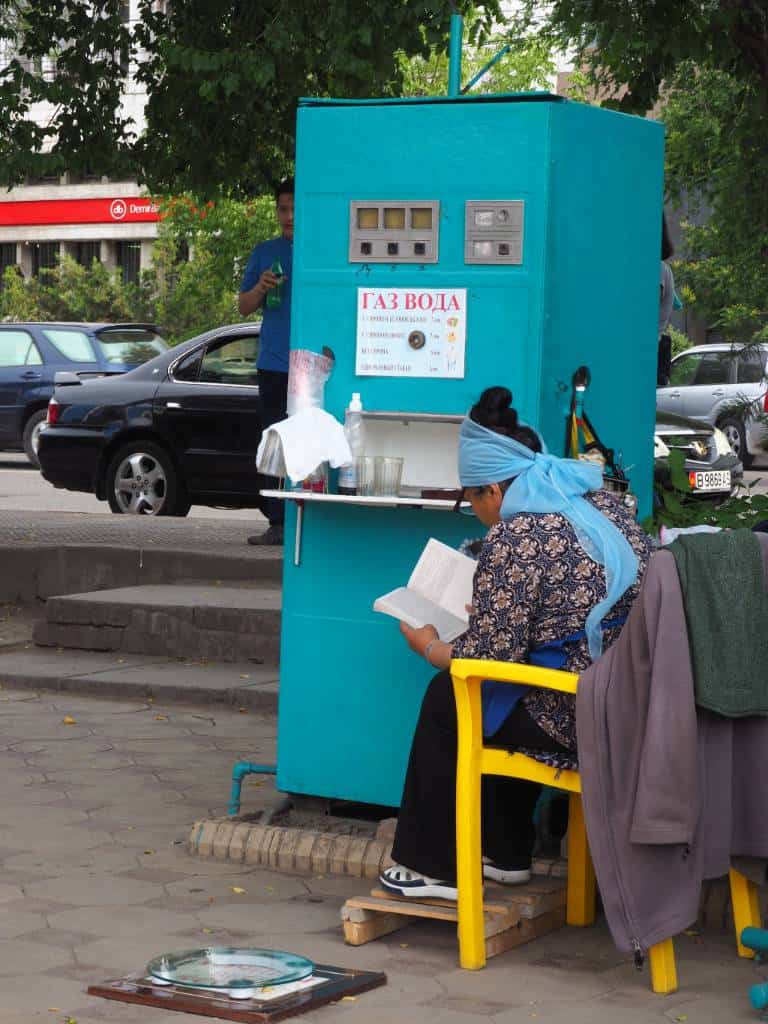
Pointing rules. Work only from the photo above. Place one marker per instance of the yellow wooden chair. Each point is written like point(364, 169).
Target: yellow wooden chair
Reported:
point(476, 760)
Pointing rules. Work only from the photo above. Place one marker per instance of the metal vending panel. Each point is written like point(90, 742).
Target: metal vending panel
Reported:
point(493, 231)
point(390, 231)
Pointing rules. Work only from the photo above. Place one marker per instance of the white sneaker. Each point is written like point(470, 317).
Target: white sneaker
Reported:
point(404, 882)
point(506, 877)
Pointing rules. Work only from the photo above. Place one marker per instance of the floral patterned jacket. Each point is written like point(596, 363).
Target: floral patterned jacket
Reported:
point(534, 583)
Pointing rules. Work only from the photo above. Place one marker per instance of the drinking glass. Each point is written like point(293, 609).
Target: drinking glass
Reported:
point(389, 471)
point(365, 470)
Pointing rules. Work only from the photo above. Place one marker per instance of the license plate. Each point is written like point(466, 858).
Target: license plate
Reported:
point(710, 480)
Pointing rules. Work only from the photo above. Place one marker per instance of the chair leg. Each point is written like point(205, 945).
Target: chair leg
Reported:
point(663, 968)
point(580, 910)
point(469, 870)
point(746, 908)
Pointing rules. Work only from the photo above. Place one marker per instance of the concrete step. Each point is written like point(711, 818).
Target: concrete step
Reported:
point(33, 570)
point(141, 677)
point(230, 622)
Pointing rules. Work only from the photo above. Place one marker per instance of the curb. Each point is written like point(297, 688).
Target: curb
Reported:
point(255, 699)
point(290, 850)
point(302, 851)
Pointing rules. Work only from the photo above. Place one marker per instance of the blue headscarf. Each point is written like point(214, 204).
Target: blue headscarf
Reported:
point(546, 483)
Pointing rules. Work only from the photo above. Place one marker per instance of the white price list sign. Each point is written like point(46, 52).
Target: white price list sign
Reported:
point(411, 332)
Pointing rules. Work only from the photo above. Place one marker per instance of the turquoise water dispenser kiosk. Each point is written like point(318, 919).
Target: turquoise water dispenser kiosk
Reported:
point(442, 246)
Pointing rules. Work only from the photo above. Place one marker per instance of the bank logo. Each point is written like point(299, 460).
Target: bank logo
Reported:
point(118, 209)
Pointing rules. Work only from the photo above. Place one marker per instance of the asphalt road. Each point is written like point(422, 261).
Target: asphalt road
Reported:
point(22, 487)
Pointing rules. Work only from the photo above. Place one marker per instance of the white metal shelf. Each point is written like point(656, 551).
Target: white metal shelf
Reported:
point(371, 501)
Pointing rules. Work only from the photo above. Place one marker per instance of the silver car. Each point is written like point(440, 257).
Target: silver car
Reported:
point(706, 380)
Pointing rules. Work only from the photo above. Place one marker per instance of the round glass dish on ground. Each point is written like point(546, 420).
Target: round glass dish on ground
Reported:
point(238, 971)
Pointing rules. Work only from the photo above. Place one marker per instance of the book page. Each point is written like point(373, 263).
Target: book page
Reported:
point(444, 576)
point(415, 610)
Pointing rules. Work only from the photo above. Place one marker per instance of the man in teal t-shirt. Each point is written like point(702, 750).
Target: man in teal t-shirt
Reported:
point(272, 363)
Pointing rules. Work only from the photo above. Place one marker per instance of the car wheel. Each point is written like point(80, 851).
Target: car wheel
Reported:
point(142, 480)
point(31, 435)
point(737, 438)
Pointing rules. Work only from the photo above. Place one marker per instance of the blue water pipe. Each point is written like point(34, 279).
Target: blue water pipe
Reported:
point(454, 55)
point(486, 68)
point(240, 770)
point(757, 939)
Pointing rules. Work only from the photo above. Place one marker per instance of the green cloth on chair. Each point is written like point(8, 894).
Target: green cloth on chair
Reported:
point(726, 610)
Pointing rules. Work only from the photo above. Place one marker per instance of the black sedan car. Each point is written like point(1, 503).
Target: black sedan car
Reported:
point(180, 430)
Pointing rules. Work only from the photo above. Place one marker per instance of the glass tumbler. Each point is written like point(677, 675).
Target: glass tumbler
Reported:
point(389, 471)
point(365, 470)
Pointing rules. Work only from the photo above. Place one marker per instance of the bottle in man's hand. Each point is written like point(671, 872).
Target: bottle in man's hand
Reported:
point(275, 295)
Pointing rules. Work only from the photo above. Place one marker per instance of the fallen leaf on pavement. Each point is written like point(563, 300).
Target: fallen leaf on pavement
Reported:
point(161, 718)
point(148, 852)
point(207, 931)
point(68, 720)
point(237, 890)
point(244, 675)
point(243, 711)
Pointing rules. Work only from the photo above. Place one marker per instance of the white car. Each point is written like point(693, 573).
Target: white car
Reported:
point(707, 379)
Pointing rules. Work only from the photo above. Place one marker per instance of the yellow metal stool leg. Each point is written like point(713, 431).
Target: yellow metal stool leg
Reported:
point(746, 908)
point(663, 968)
point(580, 908)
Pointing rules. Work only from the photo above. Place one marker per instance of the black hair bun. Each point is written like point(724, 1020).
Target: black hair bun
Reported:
point(494, 410)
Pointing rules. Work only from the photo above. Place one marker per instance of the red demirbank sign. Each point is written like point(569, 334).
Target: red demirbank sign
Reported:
point(122, 210)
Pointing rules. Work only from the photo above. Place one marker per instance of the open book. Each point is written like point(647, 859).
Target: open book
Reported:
point(438, 592)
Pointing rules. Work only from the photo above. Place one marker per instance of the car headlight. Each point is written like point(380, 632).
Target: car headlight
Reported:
point(660, 450)
point(722, 444)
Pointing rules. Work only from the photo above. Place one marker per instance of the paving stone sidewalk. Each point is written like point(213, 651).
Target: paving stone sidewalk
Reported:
point(96, 800)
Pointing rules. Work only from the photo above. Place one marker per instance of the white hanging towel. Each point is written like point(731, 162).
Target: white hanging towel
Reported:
point(296, 446)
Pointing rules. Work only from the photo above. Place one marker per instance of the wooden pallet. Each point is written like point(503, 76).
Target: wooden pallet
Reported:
point(512, 915)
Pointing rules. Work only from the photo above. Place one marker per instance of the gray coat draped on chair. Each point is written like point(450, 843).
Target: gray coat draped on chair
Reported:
point(671, 792)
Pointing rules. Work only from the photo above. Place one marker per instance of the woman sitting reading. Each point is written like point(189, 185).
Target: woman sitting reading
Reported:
point(556, 576)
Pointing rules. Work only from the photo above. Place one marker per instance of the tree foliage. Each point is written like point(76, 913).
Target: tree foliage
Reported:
point(639, 44)
point(195, 295)
point(62, 60)
point(705, 62)
point(527, 65)
point(223, 78)
point(70, 291)
point(717, 161)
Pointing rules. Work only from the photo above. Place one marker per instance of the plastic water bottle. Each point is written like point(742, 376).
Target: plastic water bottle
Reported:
point(354, 429)
point(275, 295)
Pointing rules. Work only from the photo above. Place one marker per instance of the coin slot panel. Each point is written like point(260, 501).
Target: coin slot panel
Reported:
point(493, 231)
point(394, 230)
